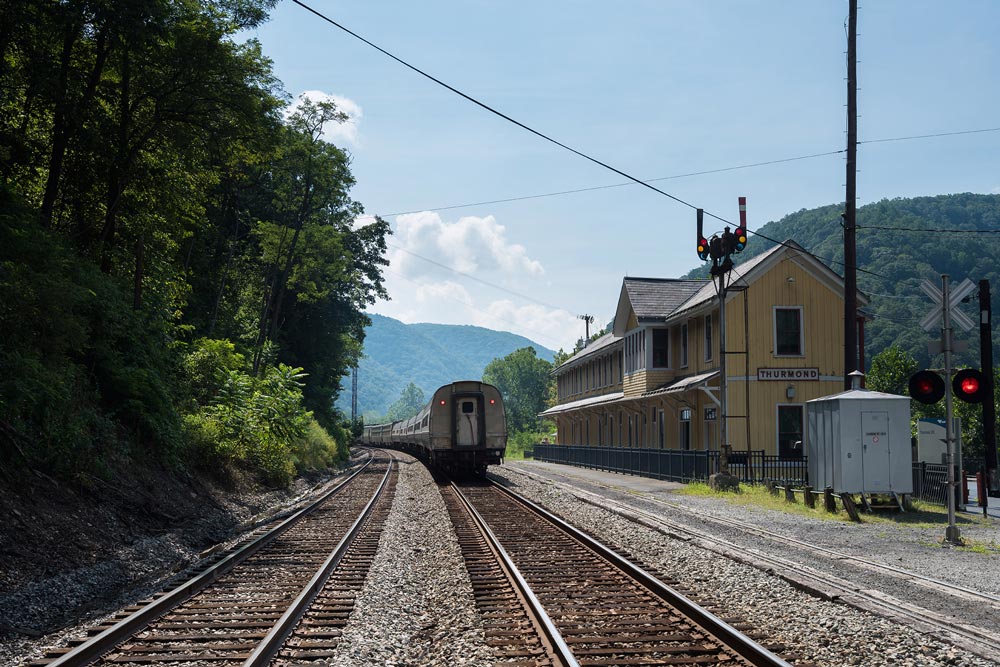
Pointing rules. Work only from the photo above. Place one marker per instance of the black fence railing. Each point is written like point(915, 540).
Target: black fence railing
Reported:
point(753, 467)
point(930, 483)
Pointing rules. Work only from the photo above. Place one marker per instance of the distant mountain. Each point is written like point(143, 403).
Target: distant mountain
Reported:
point(900, 242)
point(429, 355)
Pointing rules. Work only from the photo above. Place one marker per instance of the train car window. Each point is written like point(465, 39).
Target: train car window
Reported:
point(468, 407)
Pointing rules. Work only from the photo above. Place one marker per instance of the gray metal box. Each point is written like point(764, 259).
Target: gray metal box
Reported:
point(859, 442)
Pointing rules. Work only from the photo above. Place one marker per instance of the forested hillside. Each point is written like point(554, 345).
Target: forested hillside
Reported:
point(181, 279)
point(900, 242)
point(429, 355)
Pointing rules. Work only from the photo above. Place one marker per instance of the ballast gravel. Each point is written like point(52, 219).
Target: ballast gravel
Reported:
point(826, 633)
point(417, 606)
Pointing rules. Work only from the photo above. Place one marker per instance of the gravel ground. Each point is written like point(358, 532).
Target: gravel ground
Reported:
point(417, 606)
point(825, 632)
point(91, 594)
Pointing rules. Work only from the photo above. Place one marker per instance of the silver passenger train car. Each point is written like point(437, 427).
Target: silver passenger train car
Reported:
point(462, 430)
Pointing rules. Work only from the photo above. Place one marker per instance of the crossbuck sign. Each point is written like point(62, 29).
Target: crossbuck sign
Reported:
point(955, 296)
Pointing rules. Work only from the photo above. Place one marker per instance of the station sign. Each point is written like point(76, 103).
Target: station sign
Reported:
point(800, 374)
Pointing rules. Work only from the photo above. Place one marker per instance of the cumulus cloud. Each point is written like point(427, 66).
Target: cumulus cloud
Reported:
point(346, 132)
point(426, 251)
point(471, 245)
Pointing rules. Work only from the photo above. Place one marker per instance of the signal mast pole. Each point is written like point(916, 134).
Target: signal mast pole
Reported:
point(850, 204)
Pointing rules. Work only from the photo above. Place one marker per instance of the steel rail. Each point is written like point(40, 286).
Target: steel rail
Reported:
point(915, 577)
point(560, 651)
point(733, 638)
point(981, 642)
point(101, 643)
point(279, 632)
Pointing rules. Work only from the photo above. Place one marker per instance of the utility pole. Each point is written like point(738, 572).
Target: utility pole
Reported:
point(850, 204)
point(986, 366)
point(720, 249)
point(354, 395)
point(588, 319)
point(952, 534)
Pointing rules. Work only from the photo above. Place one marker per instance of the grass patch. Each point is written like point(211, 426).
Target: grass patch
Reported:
point(923, 514)
point(752, 495)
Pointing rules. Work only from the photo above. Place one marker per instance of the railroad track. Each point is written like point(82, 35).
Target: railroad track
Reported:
point(243, 608)
point(979, 641)
point(604, 609)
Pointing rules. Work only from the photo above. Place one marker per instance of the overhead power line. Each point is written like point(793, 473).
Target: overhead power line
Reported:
point(594, 160)
point(493, 111)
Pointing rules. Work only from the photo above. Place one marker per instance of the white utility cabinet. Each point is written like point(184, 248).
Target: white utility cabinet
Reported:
point(858, 441)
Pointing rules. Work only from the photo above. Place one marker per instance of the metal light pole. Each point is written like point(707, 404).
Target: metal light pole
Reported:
point(952, 533)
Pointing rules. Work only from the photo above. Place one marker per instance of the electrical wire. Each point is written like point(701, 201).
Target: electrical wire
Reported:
point(472, 277)
point(608, 187)
point(493, 111)
point(936, 231)
point(624, 174)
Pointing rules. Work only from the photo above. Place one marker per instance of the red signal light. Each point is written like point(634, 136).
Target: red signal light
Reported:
point(926, 387)
point(969, 386)
point(740, 238)
point(442, 401)
point(703, 248)
point(493, 401)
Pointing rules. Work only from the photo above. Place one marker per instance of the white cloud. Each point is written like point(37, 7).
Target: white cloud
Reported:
point(426, 252)
point(346, 132)
point(995, 191)
point(471, 245)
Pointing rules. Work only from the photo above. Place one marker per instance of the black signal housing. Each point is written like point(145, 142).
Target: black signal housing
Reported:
point(969, 385)
point(926, 387)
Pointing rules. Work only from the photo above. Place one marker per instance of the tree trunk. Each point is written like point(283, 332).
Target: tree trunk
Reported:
point(116, 178)
point(60, 125)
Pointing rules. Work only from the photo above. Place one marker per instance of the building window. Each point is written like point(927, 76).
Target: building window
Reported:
point(684, 345)
point(790, 431)
point(708, 337)
point(661, 348)
point(684, 437)
point(788, 332)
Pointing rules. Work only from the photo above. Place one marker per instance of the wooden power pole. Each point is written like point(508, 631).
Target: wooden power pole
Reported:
point(850, 204)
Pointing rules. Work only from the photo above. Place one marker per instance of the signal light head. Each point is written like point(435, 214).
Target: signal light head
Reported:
point(703, 248)
point(969, 386)
point(740, 238)
point(926, 387)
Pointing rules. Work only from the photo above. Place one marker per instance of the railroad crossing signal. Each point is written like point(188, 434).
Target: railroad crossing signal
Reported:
point(959, 292)
point(926, 387)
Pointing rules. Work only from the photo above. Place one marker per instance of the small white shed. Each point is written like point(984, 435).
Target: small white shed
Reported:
point(858, 441)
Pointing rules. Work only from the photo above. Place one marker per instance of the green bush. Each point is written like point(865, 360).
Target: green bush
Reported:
point(519, 441)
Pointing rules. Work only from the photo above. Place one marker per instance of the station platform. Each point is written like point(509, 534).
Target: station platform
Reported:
point(656, 487)
point(623, 482)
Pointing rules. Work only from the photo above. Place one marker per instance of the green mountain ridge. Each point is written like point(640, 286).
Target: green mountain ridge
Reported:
point(429, 355)
point(899, 243)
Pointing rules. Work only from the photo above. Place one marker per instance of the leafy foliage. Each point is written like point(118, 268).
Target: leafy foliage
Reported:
point(182, 256)
point(523, 381)
point(899, 243)
point(429, 355)
point(410, 402)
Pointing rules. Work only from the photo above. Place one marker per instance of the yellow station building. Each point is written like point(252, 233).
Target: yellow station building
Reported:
point(653, 381)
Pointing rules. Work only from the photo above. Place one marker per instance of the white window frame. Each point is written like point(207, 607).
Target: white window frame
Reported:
point(774, 332)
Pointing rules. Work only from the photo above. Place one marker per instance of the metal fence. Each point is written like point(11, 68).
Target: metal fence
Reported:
point(930, 482)
point(753, 467)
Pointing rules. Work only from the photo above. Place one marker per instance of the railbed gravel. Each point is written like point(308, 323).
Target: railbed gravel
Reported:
point(827, 633)
point(417, 605)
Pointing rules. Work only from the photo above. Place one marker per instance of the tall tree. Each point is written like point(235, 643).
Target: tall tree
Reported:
point(523, 381)
point(410, 402)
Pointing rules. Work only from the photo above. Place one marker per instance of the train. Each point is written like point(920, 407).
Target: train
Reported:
point(462, 430)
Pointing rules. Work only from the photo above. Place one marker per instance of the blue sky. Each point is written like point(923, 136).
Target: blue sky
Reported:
point(656, 89)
